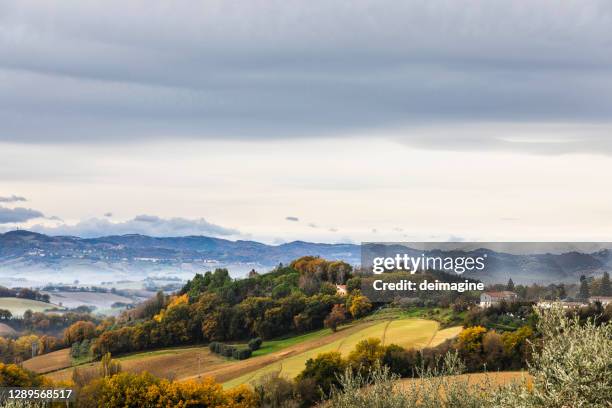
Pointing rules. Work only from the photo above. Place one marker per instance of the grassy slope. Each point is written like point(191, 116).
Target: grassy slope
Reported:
point(19, 306)
point(405, 332)
point(272, 346)
point(182, 362)
point(286, 355)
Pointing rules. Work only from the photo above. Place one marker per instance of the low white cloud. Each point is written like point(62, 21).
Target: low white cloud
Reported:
point(141, 224)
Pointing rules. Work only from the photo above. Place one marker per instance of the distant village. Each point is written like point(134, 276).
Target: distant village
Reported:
point(488, 299)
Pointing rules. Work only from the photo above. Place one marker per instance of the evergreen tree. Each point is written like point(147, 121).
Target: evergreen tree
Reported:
point(605, 289)
point(510, 285)
point(584, 293)
point(561, 291)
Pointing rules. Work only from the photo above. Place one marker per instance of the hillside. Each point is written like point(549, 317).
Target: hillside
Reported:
point(192, 362)
point(18, 306)
point(39, 258)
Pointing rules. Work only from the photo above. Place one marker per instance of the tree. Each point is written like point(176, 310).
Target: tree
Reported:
point(79, 331)
point(561, 293)
point(367, 354)
point(360, 306)
point(401, 361)
point(605, 289)
point(493, 348)
point(336, 317)
point(584, 292)
point(108, 366)
point(510, 285)
point(5, 314)
point(324, 370)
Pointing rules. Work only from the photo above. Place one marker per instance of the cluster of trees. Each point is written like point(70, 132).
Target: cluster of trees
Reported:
point(213, 307)
point(144, 390)
point(23, 348)
point(27, 346)
point(81, 349)
point(50, 323)
point(594, 287)
point(505, 315)
point(209, 318)
point(12, 375)
point(586, 287)
point(230, 350)
point(23, 293)
point(237, 352)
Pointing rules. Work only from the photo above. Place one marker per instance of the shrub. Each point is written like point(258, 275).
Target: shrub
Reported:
point(573, 368)
point(214, 346)
point(255, 344)
point(242, 354)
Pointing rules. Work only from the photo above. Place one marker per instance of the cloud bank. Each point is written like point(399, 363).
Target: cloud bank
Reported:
point(143, 224)
point(19, 214)
point(106, 72)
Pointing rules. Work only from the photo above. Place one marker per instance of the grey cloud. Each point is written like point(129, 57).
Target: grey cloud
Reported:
point(147, 218)
point(108, 214)
point(283, 69)
point(142, 224)
point(289, 218)
point(19, 214)
point(11, 199)
point(313, 225)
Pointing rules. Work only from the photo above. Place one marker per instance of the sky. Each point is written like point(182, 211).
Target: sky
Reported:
point(329, 121)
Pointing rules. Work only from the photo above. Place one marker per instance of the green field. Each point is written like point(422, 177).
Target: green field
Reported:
point(272, 346)
point(408, 332)
point(18, 306)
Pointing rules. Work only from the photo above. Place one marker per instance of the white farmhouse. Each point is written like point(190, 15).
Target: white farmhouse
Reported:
point(488, 299)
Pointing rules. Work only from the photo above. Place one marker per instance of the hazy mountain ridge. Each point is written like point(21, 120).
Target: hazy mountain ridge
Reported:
point(24, 253)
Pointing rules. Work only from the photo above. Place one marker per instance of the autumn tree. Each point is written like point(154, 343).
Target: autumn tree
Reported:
point(324, 370)
point(79, 331)
point(359, 306)
point(11, 375)
point(367, 354)
point(336, 317)
point(108, 366)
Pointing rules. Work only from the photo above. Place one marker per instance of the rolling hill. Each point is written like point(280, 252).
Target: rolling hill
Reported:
point(30, 257)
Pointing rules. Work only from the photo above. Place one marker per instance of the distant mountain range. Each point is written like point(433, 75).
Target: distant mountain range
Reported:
point(33, 256)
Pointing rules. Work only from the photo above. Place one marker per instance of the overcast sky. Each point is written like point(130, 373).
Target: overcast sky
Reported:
point(323, 120)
